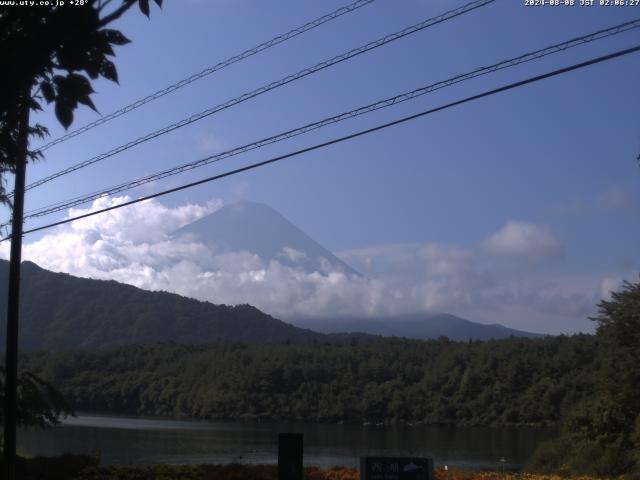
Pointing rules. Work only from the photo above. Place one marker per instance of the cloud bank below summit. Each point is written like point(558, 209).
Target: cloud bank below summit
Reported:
point(135, 246)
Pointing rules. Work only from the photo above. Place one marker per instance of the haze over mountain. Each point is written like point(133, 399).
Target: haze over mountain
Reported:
point(204, 251)
point(418, 326)
point(259, 229)
point(60, 311)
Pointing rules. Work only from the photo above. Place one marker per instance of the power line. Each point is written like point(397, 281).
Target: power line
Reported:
point(266, 88)
point(388, 102)
point(504, 88)
point(212, 69)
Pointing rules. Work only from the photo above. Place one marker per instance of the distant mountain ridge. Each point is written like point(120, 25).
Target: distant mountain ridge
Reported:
point(416, 326)
point(60, 311)
point(259, 229)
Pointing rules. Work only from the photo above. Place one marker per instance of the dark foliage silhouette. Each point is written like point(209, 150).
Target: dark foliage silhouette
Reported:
point(52, 54)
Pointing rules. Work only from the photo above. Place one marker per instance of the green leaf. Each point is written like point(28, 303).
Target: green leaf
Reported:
point(35, 105)
point(159, 3)
point(79, 85)
point(86, 100)
point(108, 71)
point(58, 80)
point(100, 44)
point(64, 113)
point(92, 64)
point(39, 130)
point(48, 92)
point(144, 6)
point(108, 50)
point(115, 37)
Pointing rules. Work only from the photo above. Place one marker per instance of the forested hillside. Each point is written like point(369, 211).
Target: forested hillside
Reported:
point(60, 311)
point(506, 382)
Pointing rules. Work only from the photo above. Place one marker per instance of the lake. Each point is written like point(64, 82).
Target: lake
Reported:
point(124, 440)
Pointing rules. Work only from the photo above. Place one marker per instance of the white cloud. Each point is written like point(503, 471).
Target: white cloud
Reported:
point(608, 285)
point(615, 198)
point(444, 260)
point(465, 282)
point(208, 143)
point(112, 244)
point(293, 254)
point(524, 240)
point(134, 245)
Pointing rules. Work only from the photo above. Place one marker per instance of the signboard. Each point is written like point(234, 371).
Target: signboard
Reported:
point(396, 468)
point(290, 456)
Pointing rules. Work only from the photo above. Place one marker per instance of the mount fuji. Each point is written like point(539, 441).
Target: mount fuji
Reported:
point(259, 229)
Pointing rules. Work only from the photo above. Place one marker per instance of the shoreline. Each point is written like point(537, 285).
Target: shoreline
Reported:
point(265, 420)
point(82, 467)
point(125, 440)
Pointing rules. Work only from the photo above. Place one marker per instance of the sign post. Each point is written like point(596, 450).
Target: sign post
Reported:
point(290, 456)
point(396, 468)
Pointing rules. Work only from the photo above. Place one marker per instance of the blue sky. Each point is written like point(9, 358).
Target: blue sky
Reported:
point(551, 165)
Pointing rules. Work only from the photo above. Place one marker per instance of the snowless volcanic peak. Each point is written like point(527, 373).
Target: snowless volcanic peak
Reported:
point(259, 229)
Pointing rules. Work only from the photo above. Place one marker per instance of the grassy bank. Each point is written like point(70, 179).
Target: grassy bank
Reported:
point(79, 467)
point(270, 473)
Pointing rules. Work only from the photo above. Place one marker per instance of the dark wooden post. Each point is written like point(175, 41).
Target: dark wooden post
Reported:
point(290, 456)
point(13, 304)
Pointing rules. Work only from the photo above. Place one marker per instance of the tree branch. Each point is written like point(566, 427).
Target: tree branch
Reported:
point(126, 5)
point(102, 5)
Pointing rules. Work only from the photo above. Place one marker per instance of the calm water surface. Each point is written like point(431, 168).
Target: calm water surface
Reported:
point(124, 440)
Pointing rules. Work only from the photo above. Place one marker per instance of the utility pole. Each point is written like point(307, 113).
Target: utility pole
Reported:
point(11, 362)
